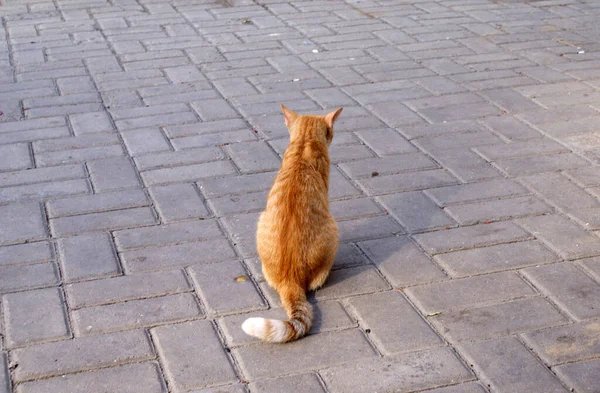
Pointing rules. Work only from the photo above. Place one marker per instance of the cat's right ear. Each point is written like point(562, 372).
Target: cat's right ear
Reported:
point(289, 115)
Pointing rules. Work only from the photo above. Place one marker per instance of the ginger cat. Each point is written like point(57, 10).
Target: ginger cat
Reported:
point(297, 237)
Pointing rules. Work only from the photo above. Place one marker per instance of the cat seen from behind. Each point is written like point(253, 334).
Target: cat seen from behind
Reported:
point(297, 237)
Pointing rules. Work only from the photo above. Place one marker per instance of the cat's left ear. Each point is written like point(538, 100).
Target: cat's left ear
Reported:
point(331, 117)
point(288, 115)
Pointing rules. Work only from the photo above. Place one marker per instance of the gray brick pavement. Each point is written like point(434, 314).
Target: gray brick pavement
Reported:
point(138, 141)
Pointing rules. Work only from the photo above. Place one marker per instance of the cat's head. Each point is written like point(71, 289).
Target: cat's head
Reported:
point(315, 126)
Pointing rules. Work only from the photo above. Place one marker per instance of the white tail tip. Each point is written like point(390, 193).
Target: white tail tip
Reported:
point(254, 327)
point(266, 329)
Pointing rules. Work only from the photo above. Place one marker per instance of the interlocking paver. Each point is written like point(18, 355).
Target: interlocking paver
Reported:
point(135, 314)
point(483, 289)
point(82, 353)
point(15, 278)
point(225, 288)
point(178, 202)
point(574, 292)
point(495, 258)
point(495, 359)
point(401, 373)
point(394, 325)
point(88, 256)
point(490, 321)
point(132, 378)
point(136, 124)
point(180, 345)
point(314, 352)
point(23, 311)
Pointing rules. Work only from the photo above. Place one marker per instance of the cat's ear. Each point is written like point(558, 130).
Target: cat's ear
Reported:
point(331, 117)
point(289, 115)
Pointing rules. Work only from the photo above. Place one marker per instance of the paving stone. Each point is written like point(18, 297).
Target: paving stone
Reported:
point(222, 291)
point(23, 312)
point(351, 281)
point(77, 142)
point(312, 352)
point(184, 74)
point(495, 210)
point(469, 237)
point(366, 228)
point(395, 113)
point(574, 292)
point(113, 173)
point(96, 203)
point(592, 266)
point(145, 141)
point(579, 376)
point(242, 229)
point(237, 388)
point(407, 182)
point(443, 142)
point(26, 253)
point(88, 256)
point(452, 112)
point(387, 165)
point(4, 375)
point(126, 379)
point(473, 192)
point(188, 172)
point(562, 236)
point(496, 359)
point(124, 288)
point(585, 177)
point(178, 202)
point(80, 354)
point(394, 325)
point(519, 149)
point(86, 123)
point(234, 204)
point(16, 278)
point(186, 157)
point(491, 321)
point(44, 190)
point(15, 157)
point(469, 387)
point(78, 155)
point(20, 222)
point(465, 165)
point(117, 219)
point(253, 156)
point(210, 110)
point(415, 211)
point(564, 344)
point(401, 261)
point(166, 234)
point(327, 316)
point(559, 191)
point(469, 292)
point(495, 258)
point(351, 208)
point(406, 373)
point(419, 130)
point(178, 255)
point(539, 164)
point(184, 349)
point(135, 314)
point(386, 142)
point(510, 100)
point(513, 129)
point(301, 383)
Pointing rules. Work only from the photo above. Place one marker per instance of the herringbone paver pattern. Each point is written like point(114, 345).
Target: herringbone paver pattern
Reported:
point(139, 138)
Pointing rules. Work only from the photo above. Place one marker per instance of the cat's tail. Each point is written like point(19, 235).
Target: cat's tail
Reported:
point(299, 311)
